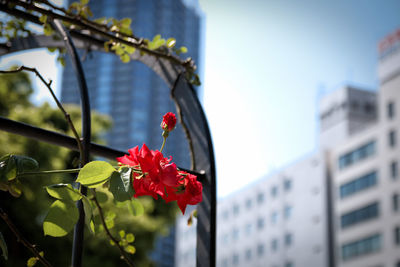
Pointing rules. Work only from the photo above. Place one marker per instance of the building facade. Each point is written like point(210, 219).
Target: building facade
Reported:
point(339, 206)
point(130, 93)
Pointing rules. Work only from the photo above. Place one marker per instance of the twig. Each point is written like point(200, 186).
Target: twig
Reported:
point(23, 240)
point(124, 255)
point(59, 105)
point(130, 41)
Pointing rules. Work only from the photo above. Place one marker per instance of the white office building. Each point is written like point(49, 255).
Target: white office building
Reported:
point(339, 206)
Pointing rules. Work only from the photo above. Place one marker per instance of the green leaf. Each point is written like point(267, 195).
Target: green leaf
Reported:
point(84, 2)
point(125, 22)
point(31, 262)
point(135, 207)
point(15, 188)
point(130, 249)
point(43, 18)
point(8, 168)
point(129, 49)
point(130, 238)
point(183, 49)
point(122, 233)
point(95, 173)
point(3, 246)
point(47, 30)
point(88, 214)
point(101, 197)
point(25, 164)
point(125, 58)
point(121, 185)
point(60, 219)
point(171, 42)
point(64, 192)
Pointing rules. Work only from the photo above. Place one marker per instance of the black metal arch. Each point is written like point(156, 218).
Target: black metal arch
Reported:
point(189, 108)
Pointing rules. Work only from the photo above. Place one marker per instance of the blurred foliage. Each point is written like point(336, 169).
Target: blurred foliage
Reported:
point(28, 211)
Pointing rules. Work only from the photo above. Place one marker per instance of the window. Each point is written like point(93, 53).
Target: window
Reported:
point(356, 155)
point(287, 184)
point(260, 198)
point(274, 191)
point(235, 234)
point(225, 215)
point(395, 202)
point(274, 244)
point(235, 259)
point(359, 184)
point(392, 138)
point(260, 223)
point(394, 170)
point(260, 249)
point(390, 110)
point(360, 215)
point(361, 247)
point(248, 254)
point(397, 235)
point(248, 203)
point(287, 212)
point(274, 217)
point(248, 229)
point(235, 209)
point(288, 239)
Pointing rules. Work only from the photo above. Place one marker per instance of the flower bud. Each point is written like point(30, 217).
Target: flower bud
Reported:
point(169, 121)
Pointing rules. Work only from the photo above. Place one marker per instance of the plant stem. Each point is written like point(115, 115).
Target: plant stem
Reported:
point(21, 239)
point(49, 172)
point(163, 143)
point(124, 255)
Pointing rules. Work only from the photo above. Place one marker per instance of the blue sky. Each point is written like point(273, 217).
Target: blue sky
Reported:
point(269, 61)
point(266, 63)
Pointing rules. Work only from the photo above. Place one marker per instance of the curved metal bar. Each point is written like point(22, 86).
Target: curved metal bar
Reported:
point(77, 245)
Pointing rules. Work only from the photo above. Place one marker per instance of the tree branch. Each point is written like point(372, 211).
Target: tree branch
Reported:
point(124, 255)
point(59, 105)
point(188, 64)
point(21, 239)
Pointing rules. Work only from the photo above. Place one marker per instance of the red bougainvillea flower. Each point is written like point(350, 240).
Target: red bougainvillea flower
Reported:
point(169, 121)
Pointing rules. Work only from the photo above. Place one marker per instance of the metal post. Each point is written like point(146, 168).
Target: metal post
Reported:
point(77, 246)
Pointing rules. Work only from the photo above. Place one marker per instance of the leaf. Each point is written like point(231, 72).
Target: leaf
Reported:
point(125, 22)
point(129, 49)
point(88, 214)
point(43, 18)
point(130, 249)
point(84, 2)
point(121, 185)
point(60, 219)
point(130, 238)
point(25, 164)
point(122, 233)
point(14, 188)
point(171, 42)
point(135, 207)
point(95, 173)
point(64, 192)
point(8, 168)
point(3, 246)
point(31, 262)
point(101, 197)
point(125, 58)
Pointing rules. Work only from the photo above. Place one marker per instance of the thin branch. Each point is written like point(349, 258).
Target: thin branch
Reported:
point(130, 41)
point(59, 105)
point(22, 239)
point(94, 23)
point(124, 255)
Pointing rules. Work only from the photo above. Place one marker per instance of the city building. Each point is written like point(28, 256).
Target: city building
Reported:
point(130, 93)
point(339, 206)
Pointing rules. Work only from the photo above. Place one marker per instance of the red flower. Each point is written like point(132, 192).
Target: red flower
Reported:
point(190, 192)
point(169, 121)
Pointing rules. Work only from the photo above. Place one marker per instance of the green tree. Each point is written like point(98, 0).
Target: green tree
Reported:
point(29, 210)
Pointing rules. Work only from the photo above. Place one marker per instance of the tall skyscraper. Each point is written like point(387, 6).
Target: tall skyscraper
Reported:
point(130, 93)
